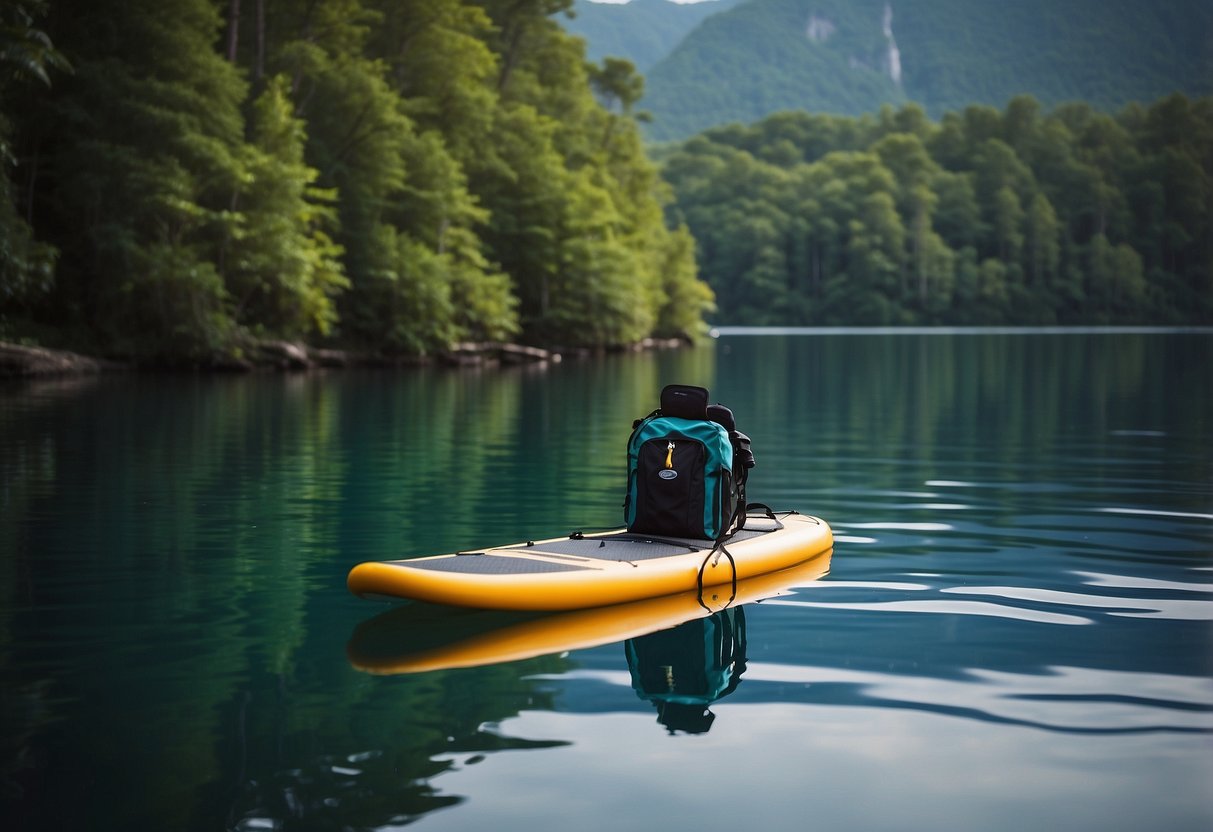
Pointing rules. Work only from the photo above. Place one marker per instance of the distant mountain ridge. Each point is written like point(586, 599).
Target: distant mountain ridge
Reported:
point(849, 57)
point(643, 31)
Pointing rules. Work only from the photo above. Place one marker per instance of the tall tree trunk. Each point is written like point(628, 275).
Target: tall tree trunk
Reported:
point(259, 67)
point(31, 184)
point(233, 30)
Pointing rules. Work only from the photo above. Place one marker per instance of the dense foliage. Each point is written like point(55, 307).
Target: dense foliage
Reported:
point(985, 217)
point(395, 175)
point(836, 56)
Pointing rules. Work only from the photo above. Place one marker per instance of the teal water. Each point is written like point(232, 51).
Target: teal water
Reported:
point(1016, 630)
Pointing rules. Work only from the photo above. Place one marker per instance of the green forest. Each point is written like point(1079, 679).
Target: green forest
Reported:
point(988, 216)
point(183, 180)
point(185, 177)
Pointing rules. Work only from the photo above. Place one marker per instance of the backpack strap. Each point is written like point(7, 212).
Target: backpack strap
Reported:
point(638, 422)
point(712, 557)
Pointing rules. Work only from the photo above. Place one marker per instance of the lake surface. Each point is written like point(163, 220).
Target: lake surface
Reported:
point(1015, 631)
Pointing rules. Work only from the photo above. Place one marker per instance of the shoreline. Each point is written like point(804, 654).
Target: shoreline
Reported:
point(993, 329)
point(19, 361)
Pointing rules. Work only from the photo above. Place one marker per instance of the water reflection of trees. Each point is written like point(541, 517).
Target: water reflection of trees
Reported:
point(172, 545)
point(372, 761)
point(983, 399)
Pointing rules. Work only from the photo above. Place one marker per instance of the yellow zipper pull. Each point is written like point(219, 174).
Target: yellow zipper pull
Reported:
point(669, 456)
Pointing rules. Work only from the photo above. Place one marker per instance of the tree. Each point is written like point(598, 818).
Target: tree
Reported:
point(576, 207)
point(399, 175)
point(523, 28)
point(998, 213)
point(145, 143)
point(281, 266)
point(1007, 222)
point(26, 51)
point(419, 275)
point(26, 264)
point(1116, 284)
point(441, 64)
point(617, 83)
point(687, 299)
point(1043, 242)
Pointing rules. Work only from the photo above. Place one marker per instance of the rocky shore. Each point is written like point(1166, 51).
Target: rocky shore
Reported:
point(17, 361)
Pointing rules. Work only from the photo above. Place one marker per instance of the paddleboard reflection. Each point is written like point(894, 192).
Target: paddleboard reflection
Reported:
point(418, 637)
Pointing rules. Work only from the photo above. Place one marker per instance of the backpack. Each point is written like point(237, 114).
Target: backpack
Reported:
point(687, 468)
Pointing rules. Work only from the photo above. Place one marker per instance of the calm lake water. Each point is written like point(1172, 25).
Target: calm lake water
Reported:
point(1015, 631)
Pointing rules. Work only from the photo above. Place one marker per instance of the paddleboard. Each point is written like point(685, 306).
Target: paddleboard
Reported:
point(592, 570)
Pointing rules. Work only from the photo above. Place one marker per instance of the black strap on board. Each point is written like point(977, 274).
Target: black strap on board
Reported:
point(717, 551)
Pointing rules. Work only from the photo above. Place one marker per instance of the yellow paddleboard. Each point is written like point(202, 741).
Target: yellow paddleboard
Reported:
point(593, 570)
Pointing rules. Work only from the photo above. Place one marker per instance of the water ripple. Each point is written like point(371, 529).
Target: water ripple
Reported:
point(1069, 699)
point(1133, 582)
point(1174, 609)
point(1058, 604)
point(1059, 698)
point(908, 527)
point(979, 608)
point(909, 587)
point(1153, 512)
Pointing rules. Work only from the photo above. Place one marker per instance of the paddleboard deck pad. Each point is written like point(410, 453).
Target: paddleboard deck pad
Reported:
point(590, 570)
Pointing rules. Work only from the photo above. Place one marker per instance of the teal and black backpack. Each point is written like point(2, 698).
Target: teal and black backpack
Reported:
point(687, 469)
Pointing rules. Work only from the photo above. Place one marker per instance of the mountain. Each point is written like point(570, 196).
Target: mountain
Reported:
point(643, 31)
point(848, 57)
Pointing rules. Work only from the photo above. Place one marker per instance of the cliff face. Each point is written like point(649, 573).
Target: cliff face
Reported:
point(820, 29)
point(893, 55)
